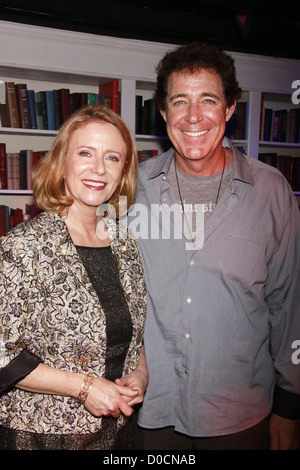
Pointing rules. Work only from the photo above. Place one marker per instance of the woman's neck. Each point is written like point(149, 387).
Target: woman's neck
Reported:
point(86, 229)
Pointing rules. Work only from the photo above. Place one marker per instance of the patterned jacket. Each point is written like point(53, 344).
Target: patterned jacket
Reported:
point(48, 305)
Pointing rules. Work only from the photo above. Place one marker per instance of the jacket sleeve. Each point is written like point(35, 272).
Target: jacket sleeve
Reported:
point(16, 361)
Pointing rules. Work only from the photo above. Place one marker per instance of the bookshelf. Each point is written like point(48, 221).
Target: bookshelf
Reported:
point(46, 59)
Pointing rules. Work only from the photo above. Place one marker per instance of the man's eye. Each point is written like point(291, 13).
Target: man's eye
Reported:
point(178, 102)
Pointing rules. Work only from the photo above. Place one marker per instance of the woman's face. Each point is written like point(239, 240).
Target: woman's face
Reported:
point(94, 163)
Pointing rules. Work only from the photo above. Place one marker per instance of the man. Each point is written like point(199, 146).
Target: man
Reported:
point(223, 317)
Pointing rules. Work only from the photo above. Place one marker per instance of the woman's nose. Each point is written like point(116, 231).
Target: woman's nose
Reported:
point(99, 166)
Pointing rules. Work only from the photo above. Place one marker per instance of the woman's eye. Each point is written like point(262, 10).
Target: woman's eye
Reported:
point(84, 153)
point(113, 158)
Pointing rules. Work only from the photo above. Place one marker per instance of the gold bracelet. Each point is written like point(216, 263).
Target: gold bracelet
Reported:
point(85, 389)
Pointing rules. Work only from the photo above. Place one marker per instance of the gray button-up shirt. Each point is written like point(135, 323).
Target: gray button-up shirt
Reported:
point(223, 319)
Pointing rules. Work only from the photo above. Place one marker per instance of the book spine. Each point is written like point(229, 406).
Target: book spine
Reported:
point(3, 167)
point(57, 109)
point(39, 112)
point(23, 105)
point(32, 110)
point(12, 106)
point(65, 103)
point(50, 110)
point(23, 169)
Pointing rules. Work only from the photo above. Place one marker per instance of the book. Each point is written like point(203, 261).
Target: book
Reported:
point(57, 109)
point(50, 110)
point(100, 99)
point(32, 110)
point(23, 105)
point(111, 93)
point(268, 115)
point(4, 220)
point(65, 104)
point(241, 120)
point(270, 158)
point(23, 169)
point(3, 166)
point(35, 158)
point(29, 159)
point(138, 114)
point(15, 217)
point(295, 173)
point(283, 163)
point(12, 106)
point(91, 99)
point(13, 173)
point(146, 154)
point(10, 171)
point(40, 114)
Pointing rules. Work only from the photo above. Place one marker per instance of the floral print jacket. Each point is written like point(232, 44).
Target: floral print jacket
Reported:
point(48, 306)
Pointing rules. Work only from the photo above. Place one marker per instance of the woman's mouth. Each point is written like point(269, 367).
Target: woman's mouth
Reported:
point(94, 185)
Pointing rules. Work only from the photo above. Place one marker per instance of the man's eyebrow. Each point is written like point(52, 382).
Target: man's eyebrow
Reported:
point(203, 95)
point(178, 95)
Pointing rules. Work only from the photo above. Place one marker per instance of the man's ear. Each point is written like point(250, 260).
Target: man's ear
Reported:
point(163, 113)
point(230, 111)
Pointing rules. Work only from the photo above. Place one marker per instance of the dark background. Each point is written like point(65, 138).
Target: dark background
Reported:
point(268, 28)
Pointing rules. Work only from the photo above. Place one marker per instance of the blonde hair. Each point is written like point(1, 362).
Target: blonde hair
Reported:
point(48, 178)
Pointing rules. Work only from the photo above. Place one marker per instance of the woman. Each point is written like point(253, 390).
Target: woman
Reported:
point(73, 298)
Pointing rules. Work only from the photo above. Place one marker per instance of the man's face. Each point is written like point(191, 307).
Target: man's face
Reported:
point(196, 115)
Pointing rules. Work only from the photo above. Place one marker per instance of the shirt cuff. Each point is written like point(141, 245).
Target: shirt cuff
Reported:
point(286, 404)
point(18, 368)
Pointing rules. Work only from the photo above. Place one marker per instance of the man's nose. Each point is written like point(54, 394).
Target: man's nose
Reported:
point(194, 113)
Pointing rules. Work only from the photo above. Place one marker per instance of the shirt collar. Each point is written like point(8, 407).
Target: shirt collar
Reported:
point(240, 171)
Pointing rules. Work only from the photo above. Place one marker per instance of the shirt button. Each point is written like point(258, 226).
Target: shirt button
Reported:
point(188, 300)
point(187, 336)
point(192, 262)
point(164, 178)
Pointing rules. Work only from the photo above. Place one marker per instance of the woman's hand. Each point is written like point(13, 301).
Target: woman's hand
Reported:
point(136, 380)
point(106, 398)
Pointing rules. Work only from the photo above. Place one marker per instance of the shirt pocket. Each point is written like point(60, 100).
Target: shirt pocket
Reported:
point(244, 255)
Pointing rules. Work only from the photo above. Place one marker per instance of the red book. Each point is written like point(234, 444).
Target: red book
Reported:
point(3, 167)
point(111, 93)
point(3, 228)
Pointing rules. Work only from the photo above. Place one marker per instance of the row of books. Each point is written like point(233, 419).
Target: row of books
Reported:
point(11, 217)
point(288, 165)
point(146, 154)
point(47, 110)
point(237, 126)
point(280, 125)
point(148, 120)
point(16, 167)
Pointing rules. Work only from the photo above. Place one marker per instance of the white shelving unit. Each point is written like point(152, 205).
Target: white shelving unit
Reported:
point(46, 58)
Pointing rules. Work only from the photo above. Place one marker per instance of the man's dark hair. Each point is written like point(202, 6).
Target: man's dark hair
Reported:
point(194, 57)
